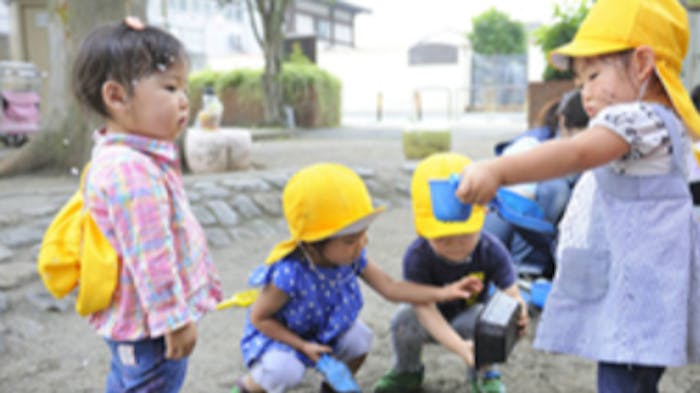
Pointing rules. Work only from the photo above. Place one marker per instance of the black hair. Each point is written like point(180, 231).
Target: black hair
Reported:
point(123, 54)
point(571, 108)
point(695, 96)
point(547, 116)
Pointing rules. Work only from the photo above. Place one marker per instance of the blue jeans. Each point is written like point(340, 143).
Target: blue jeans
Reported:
point(628, 378)
point(140, 366)
point(532, 252)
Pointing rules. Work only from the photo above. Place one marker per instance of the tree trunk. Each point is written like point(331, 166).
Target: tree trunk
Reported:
point(272, 86)
point(65, 141)
point(272, 15)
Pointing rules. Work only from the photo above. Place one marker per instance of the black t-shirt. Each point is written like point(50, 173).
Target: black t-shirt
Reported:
point(489, 261)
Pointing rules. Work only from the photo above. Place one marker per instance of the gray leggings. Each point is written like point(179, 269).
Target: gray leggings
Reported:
point(279, 370)
point(408, 336)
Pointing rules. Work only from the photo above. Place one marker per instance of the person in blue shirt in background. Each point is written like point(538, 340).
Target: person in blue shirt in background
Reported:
point(532, 252)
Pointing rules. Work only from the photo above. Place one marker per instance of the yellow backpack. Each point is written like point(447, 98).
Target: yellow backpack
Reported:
point(74, 252)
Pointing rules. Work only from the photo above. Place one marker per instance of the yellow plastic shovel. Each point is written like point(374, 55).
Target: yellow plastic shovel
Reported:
point(239, 299)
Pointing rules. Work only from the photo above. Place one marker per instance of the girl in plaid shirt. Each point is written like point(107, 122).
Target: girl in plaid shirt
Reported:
point(135, 77)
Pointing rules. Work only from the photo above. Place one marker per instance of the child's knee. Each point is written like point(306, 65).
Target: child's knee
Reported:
point(278, 371)
point(355, 343)
point(405, 325)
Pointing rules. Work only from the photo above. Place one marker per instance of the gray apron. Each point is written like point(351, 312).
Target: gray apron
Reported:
point(627, 286)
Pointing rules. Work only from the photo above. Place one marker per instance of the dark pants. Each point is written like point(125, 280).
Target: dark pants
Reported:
point(695, 192)
point(141, 366)
point(627, 378)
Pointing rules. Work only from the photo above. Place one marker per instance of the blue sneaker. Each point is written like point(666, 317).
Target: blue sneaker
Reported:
point(489, 382)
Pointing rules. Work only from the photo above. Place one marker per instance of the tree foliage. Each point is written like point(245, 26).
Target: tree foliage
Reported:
point(561, 31)
point(494, 33)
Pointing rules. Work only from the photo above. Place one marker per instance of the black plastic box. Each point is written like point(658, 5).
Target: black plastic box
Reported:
point(496, 329)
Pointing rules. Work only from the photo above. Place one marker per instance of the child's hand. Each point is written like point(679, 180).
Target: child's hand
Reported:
point(472, 284)
point(180, 343)
point(462, 289)
point(467, 353)
point(524, 319)
point(314, 351)
point(479, 184)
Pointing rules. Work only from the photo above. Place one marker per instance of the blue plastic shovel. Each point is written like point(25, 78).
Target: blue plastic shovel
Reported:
point(337, 374)
point(512, 207)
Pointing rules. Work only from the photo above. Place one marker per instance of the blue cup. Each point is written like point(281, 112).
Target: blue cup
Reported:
point(446, 206)
point(539, 291)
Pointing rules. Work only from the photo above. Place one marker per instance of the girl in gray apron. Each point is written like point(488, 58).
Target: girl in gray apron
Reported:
point(626, 289)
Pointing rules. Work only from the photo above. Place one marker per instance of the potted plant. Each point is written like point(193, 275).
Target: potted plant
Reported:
point(555, 82)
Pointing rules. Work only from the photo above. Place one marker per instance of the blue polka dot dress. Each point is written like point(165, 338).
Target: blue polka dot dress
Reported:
point(323, 303)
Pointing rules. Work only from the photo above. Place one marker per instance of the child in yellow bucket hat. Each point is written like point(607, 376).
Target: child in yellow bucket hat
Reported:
point(310, 298)
point(626, 293)
point(445, 252)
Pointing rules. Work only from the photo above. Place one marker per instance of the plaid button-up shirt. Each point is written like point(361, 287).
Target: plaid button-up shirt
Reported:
point(135, 192)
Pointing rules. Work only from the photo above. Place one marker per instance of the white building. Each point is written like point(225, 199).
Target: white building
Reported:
point(207, 29)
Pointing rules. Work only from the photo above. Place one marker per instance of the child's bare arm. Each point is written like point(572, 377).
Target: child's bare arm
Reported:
point(270, 301)
point(594, 147)
point(406, 291)
point(524, 320)
point(430, 318)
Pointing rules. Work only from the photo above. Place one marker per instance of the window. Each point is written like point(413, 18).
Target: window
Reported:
point(304, 24)
point(323, 29)
point(343, 33)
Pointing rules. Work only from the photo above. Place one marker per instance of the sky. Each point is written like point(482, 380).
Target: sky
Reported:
point(401, 23)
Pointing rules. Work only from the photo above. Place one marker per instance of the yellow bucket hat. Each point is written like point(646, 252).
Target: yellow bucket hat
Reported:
point(440, 166)
point(616, 25)
point(321, 201)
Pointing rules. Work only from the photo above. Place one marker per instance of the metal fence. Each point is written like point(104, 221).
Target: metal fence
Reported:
point(498, 82)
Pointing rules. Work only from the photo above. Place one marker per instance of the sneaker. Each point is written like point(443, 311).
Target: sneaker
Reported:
point(396, 382)
point(490, 382)
point(238, 386)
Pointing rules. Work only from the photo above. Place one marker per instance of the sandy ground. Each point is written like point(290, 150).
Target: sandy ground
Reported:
point(59, 352)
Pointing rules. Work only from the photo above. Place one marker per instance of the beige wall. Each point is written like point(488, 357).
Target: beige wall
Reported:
point(29, 41)
point(4, 47)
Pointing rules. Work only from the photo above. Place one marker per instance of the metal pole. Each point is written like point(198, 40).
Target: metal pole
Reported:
point(419, 109)
point(691, 63)
point(449, 104)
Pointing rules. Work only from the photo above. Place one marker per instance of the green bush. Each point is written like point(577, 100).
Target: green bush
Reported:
point(562, 31)
point(307, 87)
point(313, 92)
point(418, 144)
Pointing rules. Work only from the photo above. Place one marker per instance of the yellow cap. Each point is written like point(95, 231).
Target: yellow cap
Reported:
point(440, 166)
point(322, 201)
point(616, 25)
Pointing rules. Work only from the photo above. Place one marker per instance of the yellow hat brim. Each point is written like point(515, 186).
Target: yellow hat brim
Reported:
point(561, 56)
point(286, 247)
point(430, 228)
